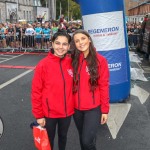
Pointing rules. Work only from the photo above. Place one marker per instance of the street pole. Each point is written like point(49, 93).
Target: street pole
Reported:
point(60, 9)
point(46, 3)
point(17, 10)
point(49, 9)
point(68, 10)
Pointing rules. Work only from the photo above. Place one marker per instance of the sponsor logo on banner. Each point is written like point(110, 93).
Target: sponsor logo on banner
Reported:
point(106, 30)
point(115, 66)
point(108, 34)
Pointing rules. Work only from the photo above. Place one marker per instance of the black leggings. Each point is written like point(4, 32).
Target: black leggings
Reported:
point(63, 125)
point(87, 123)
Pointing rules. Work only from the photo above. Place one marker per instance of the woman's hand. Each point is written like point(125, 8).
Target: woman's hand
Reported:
point(41, 122)
point(104, 118)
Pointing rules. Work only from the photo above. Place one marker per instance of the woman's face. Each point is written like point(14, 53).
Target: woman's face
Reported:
point(60, 46)
point(82, 43)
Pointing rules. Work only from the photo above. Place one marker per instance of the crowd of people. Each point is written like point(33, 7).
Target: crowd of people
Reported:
point(135, 33)
point(37, 35)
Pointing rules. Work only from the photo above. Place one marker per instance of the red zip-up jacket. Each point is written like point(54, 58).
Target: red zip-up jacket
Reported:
point(84, 98)
point(52, 88)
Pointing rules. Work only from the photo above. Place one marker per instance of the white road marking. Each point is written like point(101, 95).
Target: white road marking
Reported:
point(116, 117)
point(2, 58)
point(146, 69)
point(6, 55)
point(1, 127)
point(14, 79)
point(140, 93)
point(11, 58)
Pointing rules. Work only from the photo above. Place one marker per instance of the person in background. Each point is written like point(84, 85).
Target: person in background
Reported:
point(54, 28)
point(18, 33)
point(91, 89)
point(24, 42)
point(130, 32)
point(11, 31)
point(47, 36)
point(144, 23)
point(40, 18)
point(29, 35)
point(61, 28)
point(38, 37)
point(69, 31)
point(3, 35)
point(52, 98)
point(61, 20)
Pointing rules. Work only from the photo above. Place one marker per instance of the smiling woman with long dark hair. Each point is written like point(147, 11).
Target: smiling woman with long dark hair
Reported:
point(90, 88)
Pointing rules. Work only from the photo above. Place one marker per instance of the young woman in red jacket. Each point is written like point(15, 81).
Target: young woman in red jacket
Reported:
point(91, 89)
point(52, 102)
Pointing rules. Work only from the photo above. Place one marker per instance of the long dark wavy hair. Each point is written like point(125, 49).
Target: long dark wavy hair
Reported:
point(92, 63)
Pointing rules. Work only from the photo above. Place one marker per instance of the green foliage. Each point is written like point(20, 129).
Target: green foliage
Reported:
point(74, 9)
point(43, 3)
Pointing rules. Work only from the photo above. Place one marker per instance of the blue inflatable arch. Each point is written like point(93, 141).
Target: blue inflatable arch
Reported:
point(105, 22)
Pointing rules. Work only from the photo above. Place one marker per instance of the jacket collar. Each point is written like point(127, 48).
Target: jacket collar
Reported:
point(54, 57)
point(81, 57)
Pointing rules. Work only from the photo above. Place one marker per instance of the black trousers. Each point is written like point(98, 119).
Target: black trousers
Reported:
point(63, 125)
point(87, 123)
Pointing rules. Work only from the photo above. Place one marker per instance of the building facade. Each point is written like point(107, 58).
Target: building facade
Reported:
point(14, 10)
point(138, 10)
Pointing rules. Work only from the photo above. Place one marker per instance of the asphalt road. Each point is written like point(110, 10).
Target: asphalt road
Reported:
point(128, 127)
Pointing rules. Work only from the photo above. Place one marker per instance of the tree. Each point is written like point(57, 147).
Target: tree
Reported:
point(74, 9)
point(43, 3)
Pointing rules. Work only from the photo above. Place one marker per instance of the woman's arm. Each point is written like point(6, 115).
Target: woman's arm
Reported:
point(36, 93)
point(104, 86)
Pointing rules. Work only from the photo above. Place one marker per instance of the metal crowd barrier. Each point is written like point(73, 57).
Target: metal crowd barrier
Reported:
point(31, 43)
point(134, 40)
point(25, 43)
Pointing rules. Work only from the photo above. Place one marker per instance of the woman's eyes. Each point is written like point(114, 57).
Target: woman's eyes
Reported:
point(80, 40)
point(64, 44)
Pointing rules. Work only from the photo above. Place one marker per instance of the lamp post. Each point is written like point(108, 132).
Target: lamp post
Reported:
point(17, 10)
point(46, 3)
point(68, 10)
point(60, 8)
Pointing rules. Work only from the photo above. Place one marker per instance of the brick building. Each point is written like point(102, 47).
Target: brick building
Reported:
point(137, 12)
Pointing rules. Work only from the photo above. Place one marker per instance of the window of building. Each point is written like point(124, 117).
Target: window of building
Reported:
point(24, 14)
point(27, 15)
point(39, 2)
point(0, 15)
point(35, 3)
